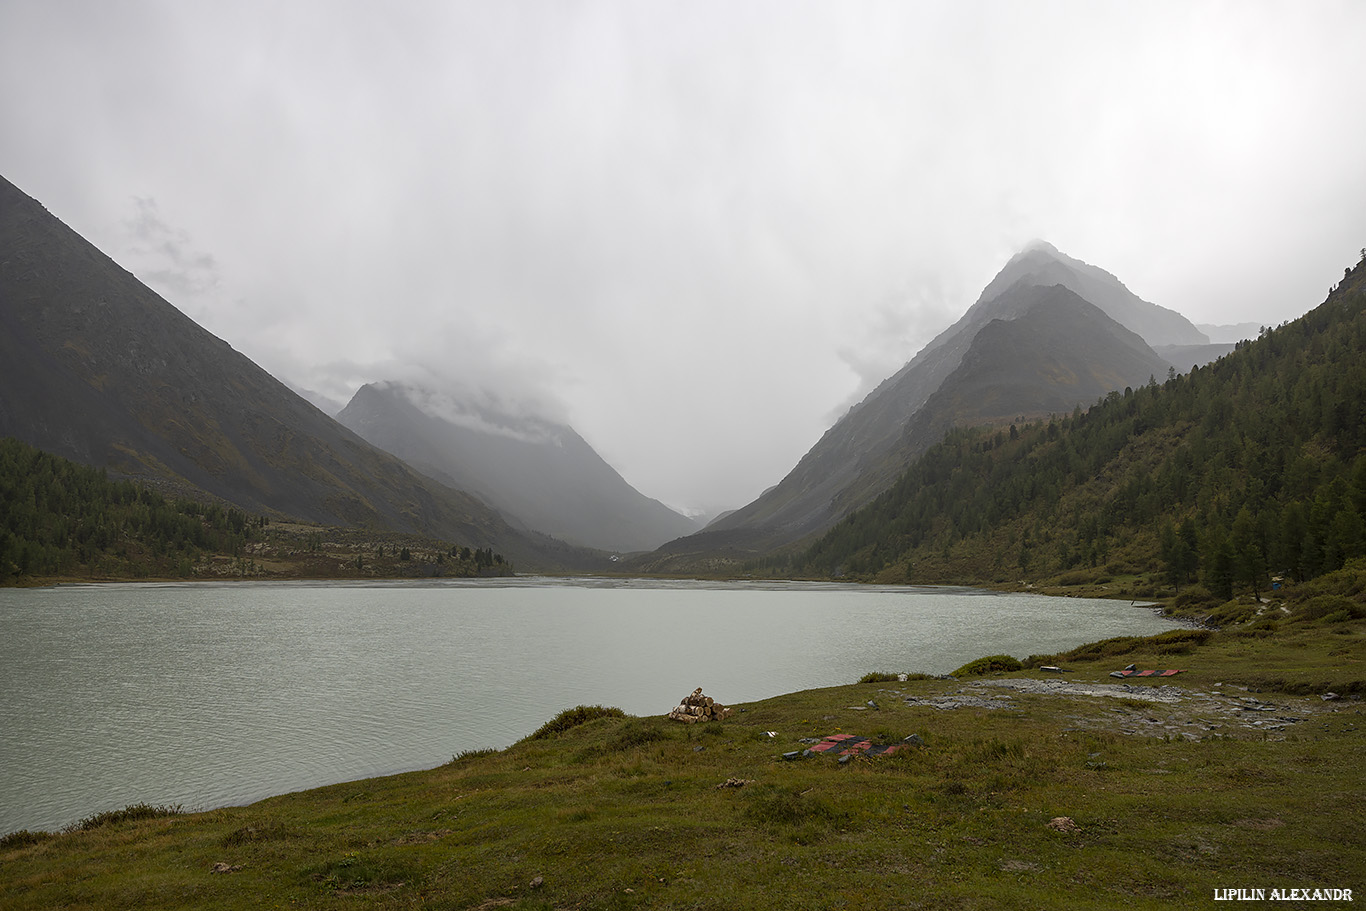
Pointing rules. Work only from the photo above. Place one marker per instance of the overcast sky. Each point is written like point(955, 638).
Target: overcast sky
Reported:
point(698, 231)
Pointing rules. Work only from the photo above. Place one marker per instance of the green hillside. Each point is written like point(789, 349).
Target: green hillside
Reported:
point(62, 520)
point(1235, 475)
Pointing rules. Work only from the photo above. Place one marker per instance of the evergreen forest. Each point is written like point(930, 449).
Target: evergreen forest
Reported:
point(58, 518)
point(62, 520)
point(1241, 475)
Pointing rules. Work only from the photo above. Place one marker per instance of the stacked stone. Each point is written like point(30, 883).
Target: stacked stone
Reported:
point(698, 707)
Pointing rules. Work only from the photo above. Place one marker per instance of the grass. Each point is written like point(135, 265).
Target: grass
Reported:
point(991, 664)
point(572, 718)
point(1167, 801)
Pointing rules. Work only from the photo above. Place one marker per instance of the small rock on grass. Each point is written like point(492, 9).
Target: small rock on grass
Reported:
point(1063, 824)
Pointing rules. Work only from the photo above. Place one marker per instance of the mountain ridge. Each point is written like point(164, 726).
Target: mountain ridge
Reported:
point(98, 368)
point(864, 451)
point(539, 474)
point(1239, 474)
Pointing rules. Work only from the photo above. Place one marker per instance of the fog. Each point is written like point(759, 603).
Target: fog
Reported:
point(696, 232)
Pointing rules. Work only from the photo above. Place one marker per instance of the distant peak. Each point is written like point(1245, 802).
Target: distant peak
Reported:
point(1040, 246)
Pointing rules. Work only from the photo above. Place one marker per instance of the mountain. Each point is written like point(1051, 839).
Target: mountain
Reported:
point(538, 474)
point(1041, 263)
point(97, 368)
point(1250, 469)
point(1046, 363)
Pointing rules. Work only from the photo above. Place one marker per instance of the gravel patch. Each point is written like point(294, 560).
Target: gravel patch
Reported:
point(1140, 710)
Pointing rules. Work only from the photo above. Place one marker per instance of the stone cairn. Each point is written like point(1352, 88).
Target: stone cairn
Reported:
point(698, 707)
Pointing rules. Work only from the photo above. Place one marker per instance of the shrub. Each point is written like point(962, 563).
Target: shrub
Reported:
point(1233, 612)
point(1195, 596)
point(878, 677)
point(465, 755)
point(992, 664)
point(1332, 608)
point(1166, 642)
point(129, 813)
point(23, 838)
point(572, 718)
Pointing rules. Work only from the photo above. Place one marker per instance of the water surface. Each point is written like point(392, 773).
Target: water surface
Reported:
point(213, 694)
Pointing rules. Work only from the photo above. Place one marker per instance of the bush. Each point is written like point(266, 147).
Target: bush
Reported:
point(992, 664)
point(1195, 596)
point(572, 718)
point(878, 677)
point(130, 813)
point(23, 838)
point(1169, 642)
point(1233, 612)
point(1332, 608)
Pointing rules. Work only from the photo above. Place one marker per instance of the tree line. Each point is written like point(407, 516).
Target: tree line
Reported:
point(60, 518)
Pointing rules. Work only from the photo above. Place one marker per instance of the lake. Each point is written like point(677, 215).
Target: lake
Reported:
point(206, 695)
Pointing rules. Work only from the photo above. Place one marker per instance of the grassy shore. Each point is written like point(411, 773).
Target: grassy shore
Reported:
point(1025, 789)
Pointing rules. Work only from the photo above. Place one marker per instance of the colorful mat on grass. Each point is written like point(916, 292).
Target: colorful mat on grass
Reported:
point(852, 745)
point(1129, 673)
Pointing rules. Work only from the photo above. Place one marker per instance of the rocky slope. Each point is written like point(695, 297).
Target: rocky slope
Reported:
point(96, 367)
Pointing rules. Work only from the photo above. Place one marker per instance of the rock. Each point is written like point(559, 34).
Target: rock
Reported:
point(222, 867)
point(1330, 697)
point(1063, 824)
point(795, 754)
point(537, 882)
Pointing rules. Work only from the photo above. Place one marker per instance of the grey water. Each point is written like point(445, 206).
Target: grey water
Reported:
point(205, 695)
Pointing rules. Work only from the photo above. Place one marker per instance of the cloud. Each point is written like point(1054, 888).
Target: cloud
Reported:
point(165, 258)
point(894, 330)
point(482, 409)
point(696, 232)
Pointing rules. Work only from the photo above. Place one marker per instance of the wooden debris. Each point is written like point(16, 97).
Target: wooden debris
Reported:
point(698, 707)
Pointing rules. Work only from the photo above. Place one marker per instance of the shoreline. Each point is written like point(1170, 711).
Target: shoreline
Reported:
point(1005, 790)
point(399, 764)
